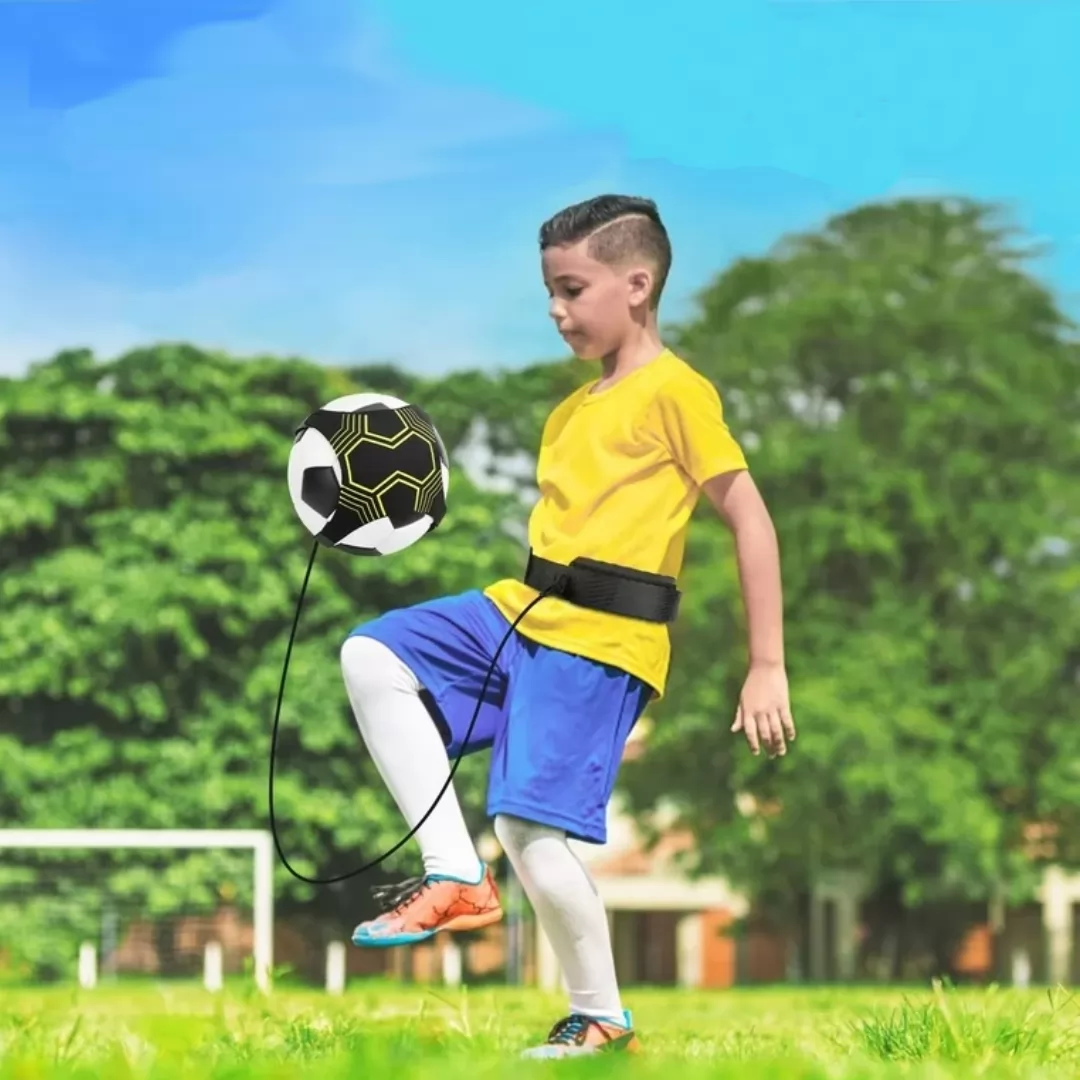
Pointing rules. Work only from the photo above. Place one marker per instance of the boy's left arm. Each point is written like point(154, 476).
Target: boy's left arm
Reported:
point(764, 712)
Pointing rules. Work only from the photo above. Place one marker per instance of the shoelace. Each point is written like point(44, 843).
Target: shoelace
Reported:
point(394, 897)
point(570, 1030)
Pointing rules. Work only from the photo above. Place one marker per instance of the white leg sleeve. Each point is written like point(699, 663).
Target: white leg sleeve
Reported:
point(409, 754)
point(569, 909)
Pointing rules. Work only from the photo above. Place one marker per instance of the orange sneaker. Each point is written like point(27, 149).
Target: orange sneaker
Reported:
point(417, 909)
point(578, 1034)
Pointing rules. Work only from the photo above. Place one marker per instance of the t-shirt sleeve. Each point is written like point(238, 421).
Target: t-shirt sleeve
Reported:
point(692, 425)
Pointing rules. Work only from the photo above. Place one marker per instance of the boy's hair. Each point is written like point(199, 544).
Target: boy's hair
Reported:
point(619, 228)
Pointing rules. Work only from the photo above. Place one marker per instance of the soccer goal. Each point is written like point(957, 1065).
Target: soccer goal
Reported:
point(70, 896)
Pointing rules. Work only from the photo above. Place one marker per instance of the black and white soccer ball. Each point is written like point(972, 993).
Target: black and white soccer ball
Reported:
point(369, 474)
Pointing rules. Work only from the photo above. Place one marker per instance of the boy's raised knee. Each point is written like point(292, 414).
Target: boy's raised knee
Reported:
point(370, 666)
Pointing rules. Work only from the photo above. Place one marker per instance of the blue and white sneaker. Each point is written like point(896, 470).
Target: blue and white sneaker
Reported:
point(576, 1034)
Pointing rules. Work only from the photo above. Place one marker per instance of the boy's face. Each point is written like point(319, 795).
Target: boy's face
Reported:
point(592, 304)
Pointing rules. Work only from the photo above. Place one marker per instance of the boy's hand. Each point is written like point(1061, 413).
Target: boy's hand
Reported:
point(764, 713)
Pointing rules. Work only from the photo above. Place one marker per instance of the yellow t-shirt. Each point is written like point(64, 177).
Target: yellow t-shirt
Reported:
point(619, 473)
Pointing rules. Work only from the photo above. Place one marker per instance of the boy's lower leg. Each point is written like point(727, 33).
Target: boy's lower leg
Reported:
point(573, 916)
point(456, 892)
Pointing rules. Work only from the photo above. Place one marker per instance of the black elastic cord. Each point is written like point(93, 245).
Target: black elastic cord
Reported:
point(557, 586)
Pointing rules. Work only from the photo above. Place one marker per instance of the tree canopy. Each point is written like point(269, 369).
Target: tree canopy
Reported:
point(151, 564)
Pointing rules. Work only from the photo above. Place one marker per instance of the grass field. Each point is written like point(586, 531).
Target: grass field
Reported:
point(379, 1030)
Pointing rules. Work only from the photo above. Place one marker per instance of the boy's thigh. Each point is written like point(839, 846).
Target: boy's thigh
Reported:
point(448, 644)
point(556, 760)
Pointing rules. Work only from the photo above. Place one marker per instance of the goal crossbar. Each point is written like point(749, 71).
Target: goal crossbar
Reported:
point(259, 842)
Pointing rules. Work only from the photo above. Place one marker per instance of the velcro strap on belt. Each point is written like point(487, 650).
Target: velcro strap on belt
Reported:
point(601, 586)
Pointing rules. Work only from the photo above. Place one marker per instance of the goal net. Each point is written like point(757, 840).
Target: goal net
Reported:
point(109, 903)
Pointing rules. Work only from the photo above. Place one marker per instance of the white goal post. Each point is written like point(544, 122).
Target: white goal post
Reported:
point(259, 842)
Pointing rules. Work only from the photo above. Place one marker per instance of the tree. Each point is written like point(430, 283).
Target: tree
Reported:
point(151, 563)
point(910, 399)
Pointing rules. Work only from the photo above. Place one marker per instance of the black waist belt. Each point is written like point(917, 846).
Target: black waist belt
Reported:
point(603, 586)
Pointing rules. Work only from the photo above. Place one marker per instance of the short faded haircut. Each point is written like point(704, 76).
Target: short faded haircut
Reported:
point(620, 229)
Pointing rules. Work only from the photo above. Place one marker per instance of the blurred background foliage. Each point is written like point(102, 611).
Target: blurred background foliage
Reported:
point(909, 396)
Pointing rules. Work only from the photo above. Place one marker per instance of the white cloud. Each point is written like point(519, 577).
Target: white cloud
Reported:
point(42, 313)
point(284, 186)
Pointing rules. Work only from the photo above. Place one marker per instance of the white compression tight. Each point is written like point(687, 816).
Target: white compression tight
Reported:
point(570, 911)
point(409, 754)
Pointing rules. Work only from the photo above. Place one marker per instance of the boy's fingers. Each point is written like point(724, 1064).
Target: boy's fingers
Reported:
point(776, 733)
point(737, 726)
point(761, 725)
point(751, 732)
point(789, 723)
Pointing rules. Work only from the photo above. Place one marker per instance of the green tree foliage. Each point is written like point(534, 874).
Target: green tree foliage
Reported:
point(908, 394)
point(512, 405)
point(151, 563)
point(910, 399)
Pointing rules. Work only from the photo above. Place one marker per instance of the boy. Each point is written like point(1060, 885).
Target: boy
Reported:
point(621, 465)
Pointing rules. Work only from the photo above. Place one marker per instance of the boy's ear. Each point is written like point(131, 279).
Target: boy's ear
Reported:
point(640, 281)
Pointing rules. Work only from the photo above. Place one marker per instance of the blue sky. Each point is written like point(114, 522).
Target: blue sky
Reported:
point(356, 181)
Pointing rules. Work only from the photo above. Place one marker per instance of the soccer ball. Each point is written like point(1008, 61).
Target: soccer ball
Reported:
point(368, 474)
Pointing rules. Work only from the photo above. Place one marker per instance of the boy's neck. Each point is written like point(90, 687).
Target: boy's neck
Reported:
point(635, 353)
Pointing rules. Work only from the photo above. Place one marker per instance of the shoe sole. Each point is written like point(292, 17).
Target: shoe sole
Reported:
point(458, 924)
point(623, 1044)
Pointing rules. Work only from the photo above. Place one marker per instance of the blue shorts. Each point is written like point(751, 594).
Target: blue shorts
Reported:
point(556, 723)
